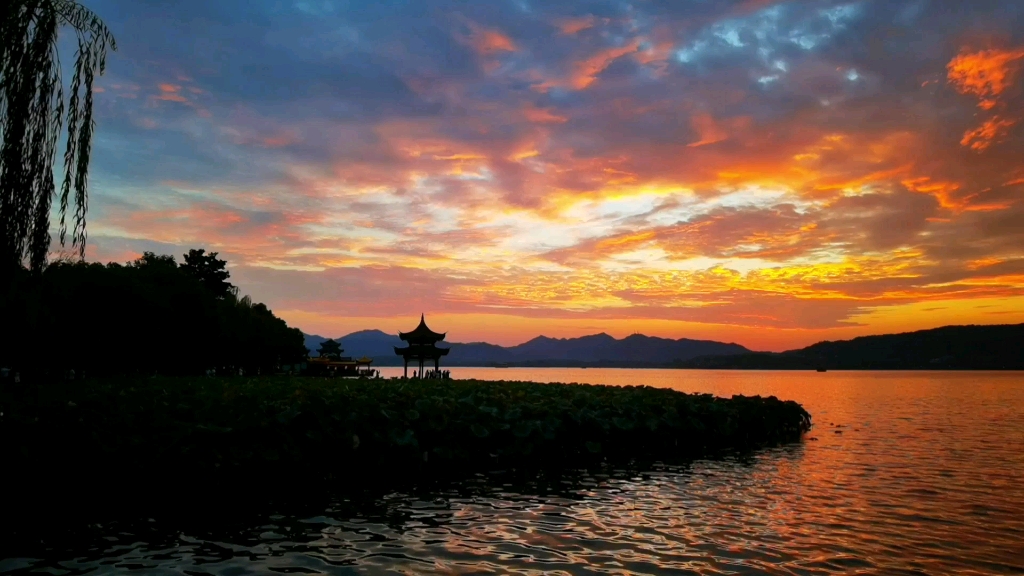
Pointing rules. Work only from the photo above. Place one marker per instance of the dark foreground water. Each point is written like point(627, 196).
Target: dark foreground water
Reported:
point(903, 473)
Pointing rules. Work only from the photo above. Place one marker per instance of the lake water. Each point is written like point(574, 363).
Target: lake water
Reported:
point(903, 473)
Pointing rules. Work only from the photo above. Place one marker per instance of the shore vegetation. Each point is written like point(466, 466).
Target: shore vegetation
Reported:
point(194, 431)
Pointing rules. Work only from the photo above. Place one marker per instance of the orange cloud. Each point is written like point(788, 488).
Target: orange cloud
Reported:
point(710, 131)
point(585, 72)
point(942, 191)
point(985, 74)
point(707, 129)
point(277, 141)
point(985, 135)
point(252, 235)
point(170, 93)
point(523, 155)
point(487, 41)
point(983, 263)
point(543, 115)
point(946, 194)
point(656, 54)
point(571, 26)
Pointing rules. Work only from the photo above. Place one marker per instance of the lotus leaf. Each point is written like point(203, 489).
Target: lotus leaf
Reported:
point(522, 429)
point(406, 438)
point(623, 423)
point(152, 427)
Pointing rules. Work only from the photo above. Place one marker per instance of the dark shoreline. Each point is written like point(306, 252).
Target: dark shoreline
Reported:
point(988, 347)
point(106, 439)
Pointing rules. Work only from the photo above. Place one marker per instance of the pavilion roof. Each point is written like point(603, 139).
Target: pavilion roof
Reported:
point(421, 334)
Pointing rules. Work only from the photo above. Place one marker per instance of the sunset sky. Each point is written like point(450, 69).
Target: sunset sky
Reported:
point(769, 173)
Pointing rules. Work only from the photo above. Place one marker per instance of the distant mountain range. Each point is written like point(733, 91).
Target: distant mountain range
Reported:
point(994, 347)
point(950, 348)
point(596, 350)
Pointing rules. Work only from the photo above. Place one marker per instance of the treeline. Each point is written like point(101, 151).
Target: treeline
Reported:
point(149, 316)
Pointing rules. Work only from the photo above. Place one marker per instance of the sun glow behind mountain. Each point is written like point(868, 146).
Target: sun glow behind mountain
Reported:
point(769, 173)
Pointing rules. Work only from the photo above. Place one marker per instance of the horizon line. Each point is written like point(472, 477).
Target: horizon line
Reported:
point(673, 339)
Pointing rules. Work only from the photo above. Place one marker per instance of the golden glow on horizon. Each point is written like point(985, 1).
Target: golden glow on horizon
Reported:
point(512, 329)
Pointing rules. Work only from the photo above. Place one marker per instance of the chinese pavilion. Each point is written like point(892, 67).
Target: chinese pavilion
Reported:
point(330, 362)
point(422, 347)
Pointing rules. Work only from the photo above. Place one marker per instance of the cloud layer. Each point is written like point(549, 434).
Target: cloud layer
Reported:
point(766, 172)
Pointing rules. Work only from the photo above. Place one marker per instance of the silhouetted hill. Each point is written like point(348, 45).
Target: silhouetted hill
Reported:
point(594, 350)
point(372, 343)
point(999, 347)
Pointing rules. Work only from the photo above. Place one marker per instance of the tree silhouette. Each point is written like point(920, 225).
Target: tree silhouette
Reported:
point(330, 349)
point(32, 114)
point(154, 261)
point(146, 316)
point(209, 270)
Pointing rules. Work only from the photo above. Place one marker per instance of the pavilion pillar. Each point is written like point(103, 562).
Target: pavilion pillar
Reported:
point(405, 374)
point(437, 363)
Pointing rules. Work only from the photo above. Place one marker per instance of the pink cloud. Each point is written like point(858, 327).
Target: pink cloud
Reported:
point(572, 26)
point(585, 71)
point(486, 41)
point(543, 115)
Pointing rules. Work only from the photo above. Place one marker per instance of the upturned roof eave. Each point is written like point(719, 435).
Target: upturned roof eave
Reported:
point(422, 333)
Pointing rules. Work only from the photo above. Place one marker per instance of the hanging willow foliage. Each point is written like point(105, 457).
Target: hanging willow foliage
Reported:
point(32, 113)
